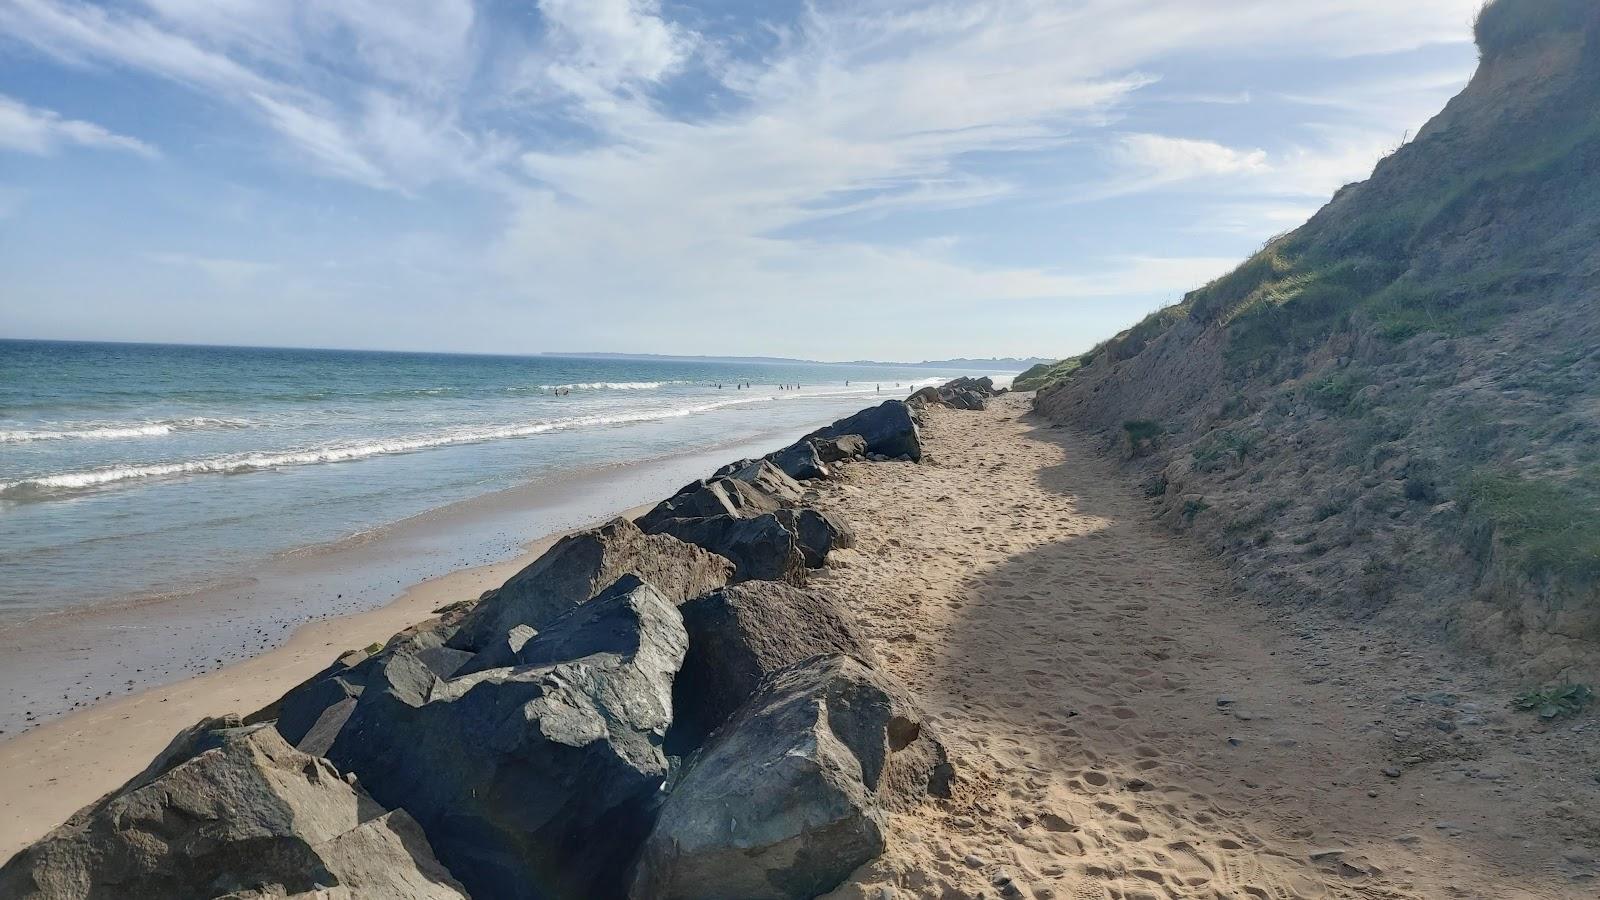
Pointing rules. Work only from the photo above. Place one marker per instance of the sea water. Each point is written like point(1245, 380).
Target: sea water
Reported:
point(131, 470)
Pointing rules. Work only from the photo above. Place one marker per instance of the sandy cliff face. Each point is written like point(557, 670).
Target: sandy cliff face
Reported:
point(1396, 407)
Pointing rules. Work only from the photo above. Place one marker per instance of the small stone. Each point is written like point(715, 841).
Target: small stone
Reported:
point(1137, 784)
point(1391, 772)
point(973, 861)
point(1224, 701)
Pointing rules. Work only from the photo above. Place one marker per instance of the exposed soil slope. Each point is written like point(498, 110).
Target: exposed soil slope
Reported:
point(1394, 410)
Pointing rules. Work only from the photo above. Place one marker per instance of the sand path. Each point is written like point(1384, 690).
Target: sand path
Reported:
point(1127, 727)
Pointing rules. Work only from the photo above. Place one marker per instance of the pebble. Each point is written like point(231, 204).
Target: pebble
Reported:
point(1391, 772)
point(974, 860)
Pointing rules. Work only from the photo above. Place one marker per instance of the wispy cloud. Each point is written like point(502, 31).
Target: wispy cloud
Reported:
point(642, 159)
point(43, 132)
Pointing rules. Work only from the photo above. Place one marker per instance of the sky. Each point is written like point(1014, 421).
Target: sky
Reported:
point(829, 180)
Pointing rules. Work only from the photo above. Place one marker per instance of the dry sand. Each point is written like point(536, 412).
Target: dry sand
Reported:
point(1125, 725)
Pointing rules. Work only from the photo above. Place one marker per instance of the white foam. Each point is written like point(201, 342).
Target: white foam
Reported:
point(607, 386)
point(260, 461)
point(112, 431)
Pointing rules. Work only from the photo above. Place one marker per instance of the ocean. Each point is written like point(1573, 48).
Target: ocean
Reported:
point(132, 471)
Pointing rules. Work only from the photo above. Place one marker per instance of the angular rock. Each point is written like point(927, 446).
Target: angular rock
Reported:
point(801, 461)
point(770, 480)
point(537, 780)
point(582, 564)
point(725, 496)
point(842, 447)
point(741, 634)
point(887, 429)
point(247, 815)
point(761, 548)
point(816, 533)
point(790, 795)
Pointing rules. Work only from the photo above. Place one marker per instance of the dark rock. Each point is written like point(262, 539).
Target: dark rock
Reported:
point(801, 460)
point(840, 447)
point(306, 707)
point(727, 496)
point(246, 816)
point(741, 634)
point(817, 533)
point(537, 780)
point(790, 795)
point(927, 395)
point(300, 709)
point(887, 429)
point(578, 567)
point(770, 480)
point(761, 548)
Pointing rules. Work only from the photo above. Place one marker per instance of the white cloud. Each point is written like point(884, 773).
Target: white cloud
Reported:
point(770, 199)
point(43, 132)
point(601, 45)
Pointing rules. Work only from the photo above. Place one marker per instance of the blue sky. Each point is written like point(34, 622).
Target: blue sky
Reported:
point(829, 179)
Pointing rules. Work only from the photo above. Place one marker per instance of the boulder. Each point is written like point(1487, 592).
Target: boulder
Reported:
point(929, 394)
point(887, 429)
point(761, 548)
point(245, 815)
point(538, 780)
point(726, 496)
point(770, 480)
point(790, 795)
point(319, 705)
point(816, 533)
point(741, 634)
point(842, 447)
point(800, 461)
point(578, 567)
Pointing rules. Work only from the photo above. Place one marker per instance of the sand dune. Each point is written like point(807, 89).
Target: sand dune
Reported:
point(1127, 727)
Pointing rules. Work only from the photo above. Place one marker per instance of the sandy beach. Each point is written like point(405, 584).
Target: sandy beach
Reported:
point(1128, 726)
point(1124, 724)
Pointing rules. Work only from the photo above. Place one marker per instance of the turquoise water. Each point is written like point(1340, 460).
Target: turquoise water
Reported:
point(133, 470)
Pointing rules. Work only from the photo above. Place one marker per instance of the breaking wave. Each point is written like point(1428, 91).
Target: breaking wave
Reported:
point(113, 431)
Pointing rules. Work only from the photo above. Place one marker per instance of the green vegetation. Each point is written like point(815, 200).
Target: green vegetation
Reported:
point(1548, 527)
point(1555, 700)
point(1142, 430)
point(1044, 375)
point(1336, 393)
point(1503, 25)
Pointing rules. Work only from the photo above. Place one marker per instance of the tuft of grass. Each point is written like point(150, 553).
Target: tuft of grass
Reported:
point(1142, 430)
point(1549, 527)
point(1336, 393)
point(1555, 700)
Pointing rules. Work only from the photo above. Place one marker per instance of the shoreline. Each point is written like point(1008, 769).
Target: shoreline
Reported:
point(59, 663)
point(59, 764)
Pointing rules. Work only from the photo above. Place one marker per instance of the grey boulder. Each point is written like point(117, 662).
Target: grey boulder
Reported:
point(244, 815)
point(537, 780)
point(743, 633)
point(581, 565)
point(790, 795)
point(748, 497)
point(766, 477)
point(761, 548)
point(838, 447)
point(888, 430)
point(816, 533)
point(800, 461)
